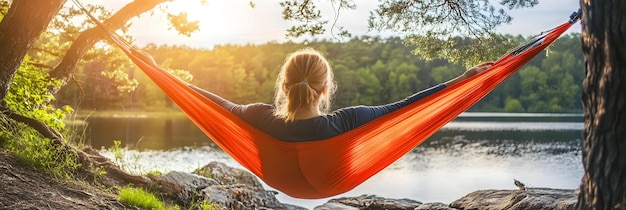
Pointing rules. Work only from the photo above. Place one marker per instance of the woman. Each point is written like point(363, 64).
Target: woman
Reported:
point(304, 89)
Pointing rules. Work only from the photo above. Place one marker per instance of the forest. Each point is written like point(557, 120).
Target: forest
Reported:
point(368, 70)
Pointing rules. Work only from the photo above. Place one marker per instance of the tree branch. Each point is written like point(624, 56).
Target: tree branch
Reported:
point(91, 36)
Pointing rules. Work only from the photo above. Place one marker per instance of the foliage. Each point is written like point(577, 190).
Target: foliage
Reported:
point(462, 50)
point(432, 26)
point(117, 150)
point(206, 205)
point(42, 153)
point(141, 198)
point(125, 161)
point(61, 33)
point(4, 8)
point(110, 74)
point(182, 24)
point(120, 77)
point(29, 96)
point(71, 20)
point(303, 12)
point(439, 19)
point(369, 70)
point(108, 67)
point(466, 25)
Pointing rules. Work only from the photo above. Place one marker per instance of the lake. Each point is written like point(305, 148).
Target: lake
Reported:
point(475, 151)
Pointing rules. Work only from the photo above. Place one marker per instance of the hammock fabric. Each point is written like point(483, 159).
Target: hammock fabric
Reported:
point(324, 168)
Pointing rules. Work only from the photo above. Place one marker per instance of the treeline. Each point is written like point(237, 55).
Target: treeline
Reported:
point(369, 71)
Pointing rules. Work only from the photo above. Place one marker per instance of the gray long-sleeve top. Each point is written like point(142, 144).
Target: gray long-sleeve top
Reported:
point(261, 116)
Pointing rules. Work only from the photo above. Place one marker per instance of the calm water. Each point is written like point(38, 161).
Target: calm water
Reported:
point(476, 151)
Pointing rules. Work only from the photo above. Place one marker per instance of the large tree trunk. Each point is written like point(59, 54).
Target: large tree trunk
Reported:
point(89, 37)
point(19, 29)
point(604, 101)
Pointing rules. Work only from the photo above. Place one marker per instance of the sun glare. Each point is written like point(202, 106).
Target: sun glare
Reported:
point(220, 22)
point(215, 17)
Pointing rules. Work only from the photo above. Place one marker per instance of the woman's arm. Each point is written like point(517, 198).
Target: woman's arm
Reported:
point(469, 73)
point(226, 104)
point(364, 114)
point(358, 115)
point(251, 113)
point(380, 110)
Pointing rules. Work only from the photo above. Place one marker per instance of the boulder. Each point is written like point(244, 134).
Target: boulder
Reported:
point(232, 188)
point(530, 198)
point(182, 185)
point(243, 197)
point(369, 202)
point(434, 206)
point(226, 175)
point(226, 187)
point(335, 206)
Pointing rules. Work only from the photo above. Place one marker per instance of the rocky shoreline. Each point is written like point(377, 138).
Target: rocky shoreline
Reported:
point(233, 188)
point(24, 187)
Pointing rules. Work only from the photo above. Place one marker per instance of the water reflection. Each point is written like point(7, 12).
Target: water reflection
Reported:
point(145, 133)
point(476, 151)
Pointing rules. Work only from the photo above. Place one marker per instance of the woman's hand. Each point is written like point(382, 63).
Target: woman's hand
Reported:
point(145, 57)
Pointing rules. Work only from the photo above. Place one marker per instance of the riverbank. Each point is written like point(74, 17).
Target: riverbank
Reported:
point(229, 188)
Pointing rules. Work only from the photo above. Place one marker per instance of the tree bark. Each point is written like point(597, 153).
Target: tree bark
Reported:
point(19, 29)
point(604, 104)
point(89, 37)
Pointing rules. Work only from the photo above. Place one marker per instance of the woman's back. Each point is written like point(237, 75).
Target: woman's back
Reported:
point(263, 117)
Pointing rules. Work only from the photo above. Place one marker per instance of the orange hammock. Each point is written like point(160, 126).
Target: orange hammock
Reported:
point(324, 168)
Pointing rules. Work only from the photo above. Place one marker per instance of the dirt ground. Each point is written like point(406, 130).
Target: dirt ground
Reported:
point(25, 187)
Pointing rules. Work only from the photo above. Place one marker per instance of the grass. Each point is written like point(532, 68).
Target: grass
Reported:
point(205, 205)
point(141, 198)
point(42, 153)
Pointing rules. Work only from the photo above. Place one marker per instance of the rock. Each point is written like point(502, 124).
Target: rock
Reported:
point(188, 180)
point(369, 202)
point(226, 175)
point(184, 186)
point(228, 188)
point(242, 197)
point(335, 206)
point(434, 206)
point(232, 188)
point(531, 198)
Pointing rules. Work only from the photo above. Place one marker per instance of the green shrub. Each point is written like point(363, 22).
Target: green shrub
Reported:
point(28, 95)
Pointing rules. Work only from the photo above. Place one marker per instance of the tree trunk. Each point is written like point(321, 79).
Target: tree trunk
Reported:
point(19, 29)
point(89, 37)
point(604, 104)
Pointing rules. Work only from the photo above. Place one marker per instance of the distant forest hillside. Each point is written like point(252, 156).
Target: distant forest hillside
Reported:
point(369, 70)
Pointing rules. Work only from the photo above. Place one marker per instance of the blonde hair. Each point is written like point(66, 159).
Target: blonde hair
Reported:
point(305, 76)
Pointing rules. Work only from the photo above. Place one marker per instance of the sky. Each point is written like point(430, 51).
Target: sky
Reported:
point(235, 22)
